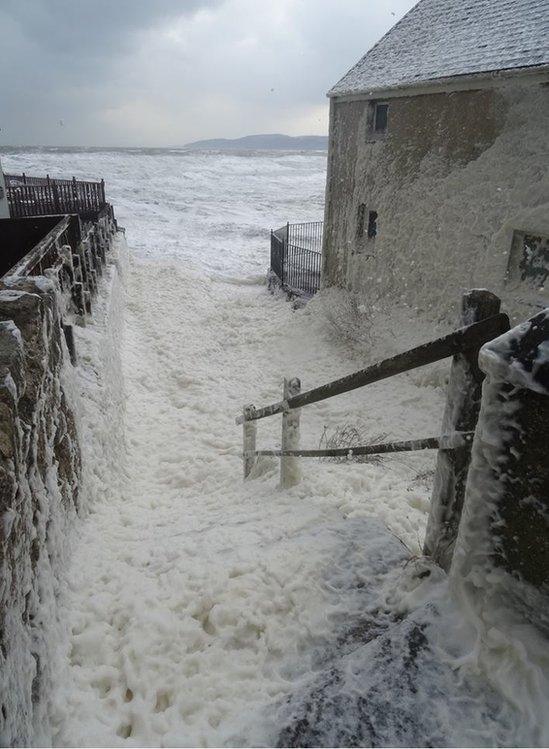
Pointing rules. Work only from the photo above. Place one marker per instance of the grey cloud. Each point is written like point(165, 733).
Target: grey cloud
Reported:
point(131, 72)
point(77, 28)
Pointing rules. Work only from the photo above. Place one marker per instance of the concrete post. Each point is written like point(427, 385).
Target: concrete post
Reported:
point(501, 558)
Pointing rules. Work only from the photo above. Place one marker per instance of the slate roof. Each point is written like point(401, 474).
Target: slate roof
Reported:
point(446, 38)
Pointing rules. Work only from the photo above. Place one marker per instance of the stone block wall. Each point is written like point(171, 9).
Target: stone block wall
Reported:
point(40, 469)
point(39, 490)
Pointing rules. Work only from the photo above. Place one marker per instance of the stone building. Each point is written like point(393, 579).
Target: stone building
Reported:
point(438, 159)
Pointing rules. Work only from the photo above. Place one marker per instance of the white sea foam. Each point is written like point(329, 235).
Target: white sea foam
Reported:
point(194, 600)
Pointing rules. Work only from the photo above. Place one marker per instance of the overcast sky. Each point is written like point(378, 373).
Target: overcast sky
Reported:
point(165, 72)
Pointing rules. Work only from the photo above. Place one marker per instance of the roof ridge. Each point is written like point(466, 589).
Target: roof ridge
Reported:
point(441, 39)
point(379, 41)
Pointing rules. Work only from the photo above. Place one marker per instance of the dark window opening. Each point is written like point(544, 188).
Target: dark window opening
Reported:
point(529, 261)
point(534, 261)
point(381, 116)
point(372, 224)
point(360, 221)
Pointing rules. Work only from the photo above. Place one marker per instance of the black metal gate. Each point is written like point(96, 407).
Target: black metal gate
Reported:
point(296, 255)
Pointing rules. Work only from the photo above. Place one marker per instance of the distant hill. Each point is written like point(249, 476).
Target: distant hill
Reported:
point(273, 142)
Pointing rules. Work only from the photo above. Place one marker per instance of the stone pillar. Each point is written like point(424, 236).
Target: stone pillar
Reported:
point(501, 560)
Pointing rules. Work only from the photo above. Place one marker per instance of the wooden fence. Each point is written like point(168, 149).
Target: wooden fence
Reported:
point(482, 321)
point(42, 196)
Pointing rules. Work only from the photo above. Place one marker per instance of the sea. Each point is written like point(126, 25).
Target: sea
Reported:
point(211, 209)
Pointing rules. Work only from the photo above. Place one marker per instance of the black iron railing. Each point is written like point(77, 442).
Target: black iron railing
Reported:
point(43, 196)
point(296, 255)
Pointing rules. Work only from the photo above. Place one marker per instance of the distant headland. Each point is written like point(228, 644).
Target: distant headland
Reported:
point(269, 142)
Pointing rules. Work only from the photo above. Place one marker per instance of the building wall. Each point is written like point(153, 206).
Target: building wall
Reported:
point(453, 177)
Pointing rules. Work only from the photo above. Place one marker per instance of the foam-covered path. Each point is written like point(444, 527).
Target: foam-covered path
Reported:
point(194, 603)
point(195, 598)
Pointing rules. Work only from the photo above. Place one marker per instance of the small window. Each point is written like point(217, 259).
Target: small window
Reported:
point(381, 116)
point(372, 224)
point(360, 220)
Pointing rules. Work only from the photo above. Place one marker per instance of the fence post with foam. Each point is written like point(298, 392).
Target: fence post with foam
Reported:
point(289, 464)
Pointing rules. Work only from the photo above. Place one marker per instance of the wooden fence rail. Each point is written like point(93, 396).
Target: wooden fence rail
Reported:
point(470, 337)
point(445, 442)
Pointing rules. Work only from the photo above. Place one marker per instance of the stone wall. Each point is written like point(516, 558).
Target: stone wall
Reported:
point(40, 472)
point(40, 477)
point(456, 173)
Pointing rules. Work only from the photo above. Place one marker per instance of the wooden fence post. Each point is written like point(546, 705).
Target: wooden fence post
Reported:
point(249, 432)
point(69, 338)
point(77, 265)
point(96, 252)
point(89, 264)
point(289, 465)
point(103, 244)
point(79, 300)
point(460, 415)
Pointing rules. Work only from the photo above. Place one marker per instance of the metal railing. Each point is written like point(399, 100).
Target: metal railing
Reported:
point(43, 196)
point(70, 249)
point(296, 257)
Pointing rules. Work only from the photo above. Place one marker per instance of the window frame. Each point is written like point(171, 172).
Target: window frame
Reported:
point(372, 230)
point(519, 271)
point(371, 133)
point(377, 106)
